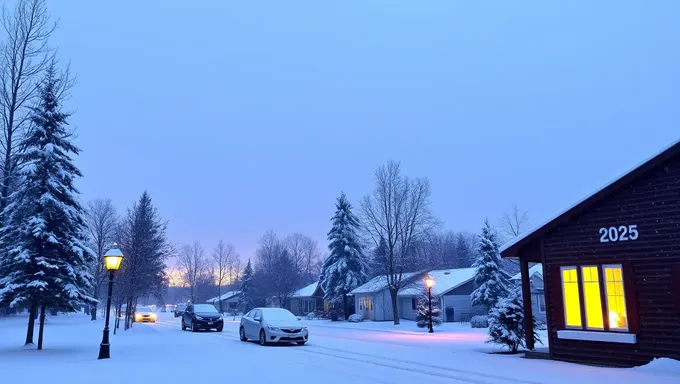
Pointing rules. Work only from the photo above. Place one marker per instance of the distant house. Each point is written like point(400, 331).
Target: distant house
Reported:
point(307, 299)
point(372, 300)
point(228, 300)
point(537, 294)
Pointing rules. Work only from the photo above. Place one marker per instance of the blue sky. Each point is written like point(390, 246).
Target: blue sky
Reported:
point(243, 116)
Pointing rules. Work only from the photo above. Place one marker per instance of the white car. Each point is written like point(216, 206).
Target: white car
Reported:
point(272, 325)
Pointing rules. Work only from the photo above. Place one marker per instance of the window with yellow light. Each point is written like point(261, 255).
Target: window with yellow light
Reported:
point(572, 302)
point(592, 298)
point(616, 301)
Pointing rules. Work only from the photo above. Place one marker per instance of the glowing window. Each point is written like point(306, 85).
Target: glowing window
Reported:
point(572, 303)
point(592, 298)
point(616, 301)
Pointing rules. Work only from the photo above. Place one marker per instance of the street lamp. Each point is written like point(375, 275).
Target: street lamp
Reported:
point(429, 283)
point(112, 259)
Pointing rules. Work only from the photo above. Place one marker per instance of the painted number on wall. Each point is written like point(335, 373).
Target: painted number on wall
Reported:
point(622, 233)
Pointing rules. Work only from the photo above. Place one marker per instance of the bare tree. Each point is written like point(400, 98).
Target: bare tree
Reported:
point(24, 56)
point(305, 255)
point(102, 222)
point(193, 265)
point(234, 274)
point(397, 212)
point(222, 267)
point(514, 223)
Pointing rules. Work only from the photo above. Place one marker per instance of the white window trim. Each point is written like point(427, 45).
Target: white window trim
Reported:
point(538, 303)
point(606, 295)
point(606, 337)
point(564, 301)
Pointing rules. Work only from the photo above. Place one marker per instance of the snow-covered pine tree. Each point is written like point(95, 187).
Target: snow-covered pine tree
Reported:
point(506, 322)
point(423, 311)
point(346, 267)
point(489, 280)
point(245, 299)
point(45, 235)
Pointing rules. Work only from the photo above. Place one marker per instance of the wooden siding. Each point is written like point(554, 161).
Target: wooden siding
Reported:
point(652, 202)
point(464, 289)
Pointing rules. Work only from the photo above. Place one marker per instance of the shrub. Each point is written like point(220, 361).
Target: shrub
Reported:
point(311, 316)
point(479, 321)
point(334, 316)
point(506, 323)
point(355, 318)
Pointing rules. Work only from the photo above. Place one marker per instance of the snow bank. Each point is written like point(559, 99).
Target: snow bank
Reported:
point(661, 365)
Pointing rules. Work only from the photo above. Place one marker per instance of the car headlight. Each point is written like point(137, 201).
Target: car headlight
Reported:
point(273, 328)
point(199, 318)
point(304, 328)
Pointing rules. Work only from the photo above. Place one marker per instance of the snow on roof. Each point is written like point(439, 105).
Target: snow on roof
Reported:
point(536, 228)
point(226, 296)
point(307, 291)
point(536, 269)
point(379, 283)
point(445, 280)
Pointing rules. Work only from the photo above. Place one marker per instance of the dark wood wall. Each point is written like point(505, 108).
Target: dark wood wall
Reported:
point(651, 202)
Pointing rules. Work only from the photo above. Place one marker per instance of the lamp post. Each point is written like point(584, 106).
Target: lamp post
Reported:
point(112, 260)
point(429, 283)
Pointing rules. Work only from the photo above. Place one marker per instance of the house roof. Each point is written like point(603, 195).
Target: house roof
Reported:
point(307, 291)
point(510, 249)
point(445, 280)
point(379, 283)
point(226, 296)
point(535, 270)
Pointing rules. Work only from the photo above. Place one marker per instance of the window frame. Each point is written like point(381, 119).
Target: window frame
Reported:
point(584, 305)
point(580, 299)
point(540, 296)
point(606, 297)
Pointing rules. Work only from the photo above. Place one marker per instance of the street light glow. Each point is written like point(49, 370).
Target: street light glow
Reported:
point(429, 282)
point(113, 258)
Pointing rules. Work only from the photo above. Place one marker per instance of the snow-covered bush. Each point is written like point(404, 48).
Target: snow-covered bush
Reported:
point(355, 318)
point(423, 311)
point(334, 315)
point(489, 280)
point(506, 323)
point(479, 321)
point(311, 316)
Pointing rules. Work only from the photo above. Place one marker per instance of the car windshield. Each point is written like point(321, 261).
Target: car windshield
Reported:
point(204, 308)
point(278, 315)
point(143, 309)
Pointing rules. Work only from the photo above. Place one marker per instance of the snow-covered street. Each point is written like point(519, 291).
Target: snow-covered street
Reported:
point(337, 353)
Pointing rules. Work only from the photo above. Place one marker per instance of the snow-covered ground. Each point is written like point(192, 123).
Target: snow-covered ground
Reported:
point(337, 353)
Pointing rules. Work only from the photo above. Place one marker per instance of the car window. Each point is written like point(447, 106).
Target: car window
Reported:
point(249, 314)
point(190, 308)
point(258, 313)
point(275, 314)
point(205, 308)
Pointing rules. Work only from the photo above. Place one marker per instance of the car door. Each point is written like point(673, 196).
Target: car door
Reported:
point(246, 322)
point(254, 330)
point(186, 315)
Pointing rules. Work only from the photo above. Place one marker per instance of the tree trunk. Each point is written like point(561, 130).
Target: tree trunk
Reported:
point(344, 306)
point(31, 323)
point(395, 309)
point(42, 327)
point(93, 312)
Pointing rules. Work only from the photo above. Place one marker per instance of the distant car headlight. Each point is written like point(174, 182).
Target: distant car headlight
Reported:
point(273, 328)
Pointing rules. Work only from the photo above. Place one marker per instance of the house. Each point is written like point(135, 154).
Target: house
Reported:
point(307, 299)
point(611, 269)
point(537, 292)
point(452, 286)
point(228, 300)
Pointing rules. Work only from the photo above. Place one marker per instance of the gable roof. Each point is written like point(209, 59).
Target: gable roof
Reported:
point(307, 291)
point(535, 270)
point(445, 280)
point(379, 283)
point(226, 296)
point(510, 248)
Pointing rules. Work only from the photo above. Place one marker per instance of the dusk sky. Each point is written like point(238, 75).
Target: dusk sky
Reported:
point(244, 116)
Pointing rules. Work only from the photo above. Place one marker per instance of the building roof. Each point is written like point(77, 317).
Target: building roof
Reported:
point(445, 280)
point(379, 283)
point(535, 270)
point(510, 248)
point(307, 291)
point(226, 296)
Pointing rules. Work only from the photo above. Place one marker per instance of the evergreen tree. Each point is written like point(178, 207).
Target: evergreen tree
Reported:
point(246, 299)
point(488, 277)
point(46, 263)
point(506, 322)
point(346, 267)
point(379, 259)
point(423, 311)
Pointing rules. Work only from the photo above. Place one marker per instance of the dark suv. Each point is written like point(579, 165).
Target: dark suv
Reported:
point(202, 316)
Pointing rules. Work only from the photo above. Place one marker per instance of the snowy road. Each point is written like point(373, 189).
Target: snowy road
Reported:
point(337, 353)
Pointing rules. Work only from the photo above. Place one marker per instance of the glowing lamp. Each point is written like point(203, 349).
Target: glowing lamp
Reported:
point(113, 258)
point(429, 282)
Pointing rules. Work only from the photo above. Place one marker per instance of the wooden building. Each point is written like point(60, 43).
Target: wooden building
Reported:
point(612, 269)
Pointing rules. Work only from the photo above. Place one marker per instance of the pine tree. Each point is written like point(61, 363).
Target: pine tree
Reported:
point(46, 262)
point(245, 300)
point(488, 278)
point(379, 259)
point(346, 267)
point(423, 311)
point(506, 322)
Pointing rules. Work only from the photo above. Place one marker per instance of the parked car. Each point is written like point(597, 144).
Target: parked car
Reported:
point(202, 316)
point(272, 325)
point(144, 315)
point(179, 309)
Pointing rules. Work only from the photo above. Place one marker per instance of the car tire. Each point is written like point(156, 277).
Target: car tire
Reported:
point(184, 327)
point(242, 334)
point(263, 338)
point(301, 343)
point(191, 325)
point(219, 329)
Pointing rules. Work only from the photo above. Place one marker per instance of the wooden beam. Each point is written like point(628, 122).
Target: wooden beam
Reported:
point(526, 298)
